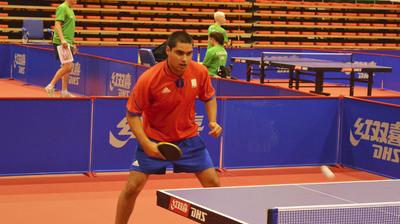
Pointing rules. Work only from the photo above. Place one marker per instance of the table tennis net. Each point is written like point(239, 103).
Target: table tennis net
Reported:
point(368, 213)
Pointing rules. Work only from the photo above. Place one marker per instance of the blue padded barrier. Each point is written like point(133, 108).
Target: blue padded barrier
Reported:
point(124, 53)
point(18, 63)
point(95, 77)
point(280, 132)
point(243, 88)
point(41, 66)
point(121, 78)
point(5, 61)
point(113, 143)
point(387, 99)
point(370, 137)
point(44, 136)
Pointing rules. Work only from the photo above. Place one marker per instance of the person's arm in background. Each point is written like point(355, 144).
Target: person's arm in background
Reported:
point(227, 41)
point(58, 28)
point(208, 58)
point(60, 18)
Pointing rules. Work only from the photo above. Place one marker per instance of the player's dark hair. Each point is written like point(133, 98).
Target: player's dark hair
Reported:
point(217, 36)
point(179, 36)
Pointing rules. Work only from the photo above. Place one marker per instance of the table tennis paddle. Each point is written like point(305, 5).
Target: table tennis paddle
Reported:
point(169, 151)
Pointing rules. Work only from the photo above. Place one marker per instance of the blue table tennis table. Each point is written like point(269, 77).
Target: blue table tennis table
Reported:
point(360, 202)
point(298, 66)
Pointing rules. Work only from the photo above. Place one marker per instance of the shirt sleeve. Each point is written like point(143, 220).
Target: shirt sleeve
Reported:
point(139, 99)
point(210, 30)
point(225, 36)
point(60, 13)
point(207, 91)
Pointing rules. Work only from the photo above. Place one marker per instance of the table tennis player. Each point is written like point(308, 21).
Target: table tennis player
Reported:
point(161, 107)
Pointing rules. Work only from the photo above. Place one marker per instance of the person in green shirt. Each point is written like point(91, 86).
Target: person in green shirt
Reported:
point(216, 55)
point(219, 18)
point(64, 33)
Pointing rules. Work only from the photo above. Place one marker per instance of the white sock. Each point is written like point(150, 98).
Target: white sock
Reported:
point(50, 86)
point(64, 92)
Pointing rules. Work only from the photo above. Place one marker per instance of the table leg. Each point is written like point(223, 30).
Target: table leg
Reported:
point(352, 79)
point(370, 82)
point(290, 78)
point(248, 72)
point(262, 73)
point(297, 79)
point(319, 82)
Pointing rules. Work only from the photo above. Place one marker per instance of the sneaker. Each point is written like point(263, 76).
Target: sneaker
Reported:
point(49, 90)
point(66, 94)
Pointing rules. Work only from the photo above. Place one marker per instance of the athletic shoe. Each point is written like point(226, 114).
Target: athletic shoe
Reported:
point(66, 94)
point(49, 90)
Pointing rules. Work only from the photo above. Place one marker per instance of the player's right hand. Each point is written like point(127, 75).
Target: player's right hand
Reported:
point(64, 44)
point(215, 129)
point(151, 150)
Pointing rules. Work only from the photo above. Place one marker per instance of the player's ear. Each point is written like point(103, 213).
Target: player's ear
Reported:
point(167, 50)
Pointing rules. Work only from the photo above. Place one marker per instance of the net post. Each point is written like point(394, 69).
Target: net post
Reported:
point(272, 216)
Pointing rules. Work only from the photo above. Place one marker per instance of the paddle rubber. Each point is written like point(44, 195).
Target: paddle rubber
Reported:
point(169, 151)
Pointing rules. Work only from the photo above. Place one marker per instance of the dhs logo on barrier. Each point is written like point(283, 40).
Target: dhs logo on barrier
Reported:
point(384, 138)
point(178, 206)
point(20, 63)
point(124, 135)
point(198, 214)
point(122, 82)
point(75, 75)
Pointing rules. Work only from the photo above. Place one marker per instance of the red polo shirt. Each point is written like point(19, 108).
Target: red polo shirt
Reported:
point(168, 111)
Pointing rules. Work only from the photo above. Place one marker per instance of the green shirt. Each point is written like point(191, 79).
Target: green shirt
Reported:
point(66, 15)
point(217, 28)
point(215, 57)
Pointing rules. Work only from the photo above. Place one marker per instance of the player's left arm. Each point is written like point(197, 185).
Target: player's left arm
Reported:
point(211, 109)
point(207, 95)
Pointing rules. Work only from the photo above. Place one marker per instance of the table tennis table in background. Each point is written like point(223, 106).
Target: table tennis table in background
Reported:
point(360, 202)
point(312, 64)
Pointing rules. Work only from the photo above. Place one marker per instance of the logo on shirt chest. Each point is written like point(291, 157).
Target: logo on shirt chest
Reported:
point(194, 83)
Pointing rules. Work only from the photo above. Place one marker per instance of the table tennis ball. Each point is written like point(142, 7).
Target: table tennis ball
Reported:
point(327, 172)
